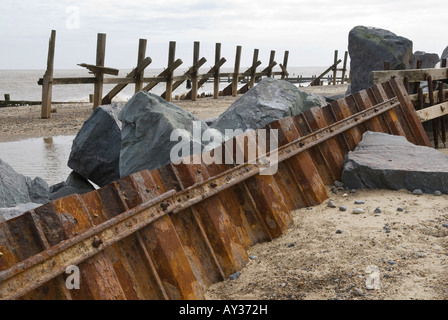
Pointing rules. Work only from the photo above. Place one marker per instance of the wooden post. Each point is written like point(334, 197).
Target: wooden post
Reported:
point(141, 56)
point(344, 67)
point(216, 74)
point(194, 75)
point(285, 65)
point(236, 72)
point(443, 64)
point(419, 64)
point(420, 104)
point(254, 70)
point(435, 122)
point(7, 97)
point(335, 69)
point(271, 61)
point(443, 118)
point(386, 65)
point(169, 78)
point(48, 79)
point(100, 57)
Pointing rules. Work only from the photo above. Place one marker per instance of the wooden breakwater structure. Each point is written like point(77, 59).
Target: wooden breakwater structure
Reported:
point(136, 76)
point(171, 232)
point(428, 92)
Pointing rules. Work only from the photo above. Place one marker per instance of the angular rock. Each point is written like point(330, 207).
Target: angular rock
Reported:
point(10, 213)
point(369, 48)
point(15, 188)
point(75, 184)
point(444, 54)
point(268, 101)
point(383, 161)
point(96, 148)
point(148, 123)
point(429, 60)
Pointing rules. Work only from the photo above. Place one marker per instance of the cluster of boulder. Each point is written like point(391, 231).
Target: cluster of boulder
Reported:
point(118, 140)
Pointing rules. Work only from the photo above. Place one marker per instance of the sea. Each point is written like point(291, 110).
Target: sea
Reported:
point(21, 85)
point(47, 157)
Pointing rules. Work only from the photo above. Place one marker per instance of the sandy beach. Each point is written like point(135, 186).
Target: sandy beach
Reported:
point(326, 253)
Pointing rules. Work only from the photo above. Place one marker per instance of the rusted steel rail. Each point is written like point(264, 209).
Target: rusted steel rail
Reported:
point(172, 232)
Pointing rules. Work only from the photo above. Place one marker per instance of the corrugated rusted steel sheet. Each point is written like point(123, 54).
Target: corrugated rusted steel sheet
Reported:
point(172, 232)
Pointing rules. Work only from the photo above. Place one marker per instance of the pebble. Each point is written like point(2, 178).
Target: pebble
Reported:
point(309, 208)
point(253, 257)
point(437, 193)
point(357, 292)
point(445, 225)
point(235, 276)
point(417, 192)
point(331, 204)
point(377, 210)
point(358, 211)
point(338, 184)
point(338, 231)
point(400, 209)
point(291, 245)
point(342, 208)
point(391, 262)
point(353, 191)
point(360, 202)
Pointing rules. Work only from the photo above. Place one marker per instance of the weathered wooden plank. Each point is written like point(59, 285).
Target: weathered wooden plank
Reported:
point(132, 75)
point(433, 112)
point(413, 75)
point(95, 69)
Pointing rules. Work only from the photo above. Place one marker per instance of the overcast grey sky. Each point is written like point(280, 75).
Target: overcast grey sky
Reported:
point(311, 30)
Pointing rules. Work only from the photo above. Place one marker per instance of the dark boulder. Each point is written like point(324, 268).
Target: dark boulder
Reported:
point(429, 60)
point(15, 188)
point(444, 54)
point(148, 124)
point(369, 48)
point(268, 101)
point(383, 161)
point(96, 148)
point(74, 183)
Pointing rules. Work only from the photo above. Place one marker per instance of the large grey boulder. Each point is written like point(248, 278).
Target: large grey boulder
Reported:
point(383, 161)
point(96, 148)
point(444, 54)
point(429, 60)
point(148, 123)
point(74, 183)
point(369, 48)
point(10, 213)
point(269, 100)
point(15, 188)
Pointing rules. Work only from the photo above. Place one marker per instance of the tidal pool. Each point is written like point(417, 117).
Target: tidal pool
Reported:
point(39, 157)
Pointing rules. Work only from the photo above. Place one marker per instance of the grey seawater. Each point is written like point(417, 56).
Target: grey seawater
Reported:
point(22, 84)
point(39, 157)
